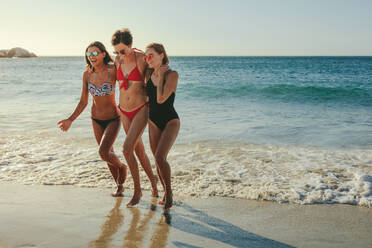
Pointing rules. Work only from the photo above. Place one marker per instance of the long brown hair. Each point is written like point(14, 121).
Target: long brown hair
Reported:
point(159, 48)
point(107, 59)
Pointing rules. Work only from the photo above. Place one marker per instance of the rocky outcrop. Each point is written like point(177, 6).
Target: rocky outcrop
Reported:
point(4, 53)
point(17, 52)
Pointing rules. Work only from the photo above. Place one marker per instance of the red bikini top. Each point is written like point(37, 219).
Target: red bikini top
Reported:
point(134, 75)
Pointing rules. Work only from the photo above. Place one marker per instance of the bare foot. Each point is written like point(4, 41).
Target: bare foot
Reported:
point(119, 191)
point(162, 201)
point(168, 201)
point(135, 199)
point(154, 186)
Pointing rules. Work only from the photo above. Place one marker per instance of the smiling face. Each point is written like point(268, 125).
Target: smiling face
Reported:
point(95, 56)
point(121, 49)
point(154, 59)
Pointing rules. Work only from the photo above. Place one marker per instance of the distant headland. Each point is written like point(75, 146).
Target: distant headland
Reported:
point(16, 52)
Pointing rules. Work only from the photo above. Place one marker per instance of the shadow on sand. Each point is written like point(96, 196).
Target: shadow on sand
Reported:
point(201, 224)
point(184, 218)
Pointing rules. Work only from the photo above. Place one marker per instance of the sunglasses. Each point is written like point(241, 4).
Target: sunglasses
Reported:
point(148, 57)
point(122, 52)
point(94, 53)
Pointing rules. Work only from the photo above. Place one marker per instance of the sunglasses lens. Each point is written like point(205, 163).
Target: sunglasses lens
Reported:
point(88, 54)
point(95, 53)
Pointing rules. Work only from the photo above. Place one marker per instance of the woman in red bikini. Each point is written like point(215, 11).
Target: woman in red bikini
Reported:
point(133, 107)
point(99, 80)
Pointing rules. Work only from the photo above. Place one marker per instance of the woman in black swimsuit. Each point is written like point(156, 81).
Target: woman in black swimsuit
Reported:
point(164, 122)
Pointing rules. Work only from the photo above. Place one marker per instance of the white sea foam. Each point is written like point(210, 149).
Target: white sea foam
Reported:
point(304, 175)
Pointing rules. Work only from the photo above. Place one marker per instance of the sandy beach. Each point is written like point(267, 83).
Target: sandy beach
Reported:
point(274, 101)
point(69, 216)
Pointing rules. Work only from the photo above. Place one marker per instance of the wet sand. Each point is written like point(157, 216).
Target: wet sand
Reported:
point(69, 216)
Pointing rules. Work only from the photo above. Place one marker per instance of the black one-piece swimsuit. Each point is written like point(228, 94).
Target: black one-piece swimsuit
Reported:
point(160, 114)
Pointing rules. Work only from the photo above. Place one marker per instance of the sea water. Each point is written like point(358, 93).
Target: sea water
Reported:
point(286, 129)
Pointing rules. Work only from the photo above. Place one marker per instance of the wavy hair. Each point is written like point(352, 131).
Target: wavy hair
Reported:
point(159, 48)
point(107, 59)
point(122, 36)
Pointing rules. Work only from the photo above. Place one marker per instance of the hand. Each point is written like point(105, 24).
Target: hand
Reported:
point(163, 69)
point(64, 125)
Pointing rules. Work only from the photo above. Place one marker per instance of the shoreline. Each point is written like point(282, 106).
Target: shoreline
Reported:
point(71, 216)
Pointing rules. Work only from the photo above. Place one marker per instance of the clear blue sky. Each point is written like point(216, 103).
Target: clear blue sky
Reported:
point(203, 27)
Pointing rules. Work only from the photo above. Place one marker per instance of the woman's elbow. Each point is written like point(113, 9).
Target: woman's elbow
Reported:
point(83, 103)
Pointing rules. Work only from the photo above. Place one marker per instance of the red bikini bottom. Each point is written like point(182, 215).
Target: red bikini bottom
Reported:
point(133, 113)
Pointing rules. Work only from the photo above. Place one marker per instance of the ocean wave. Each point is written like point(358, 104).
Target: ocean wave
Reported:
point(318, 93)
point(284, 92)
point(301, 175)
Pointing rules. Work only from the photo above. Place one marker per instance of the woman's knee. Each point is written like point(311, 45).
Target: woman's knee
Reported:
point(128, 149)
point(104, 153)
point(160, 159)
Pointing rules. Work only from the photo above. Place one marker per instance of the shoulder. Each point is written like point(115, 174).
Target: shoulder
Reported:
point(171, 75)
point(140, 56)
point(86, 74)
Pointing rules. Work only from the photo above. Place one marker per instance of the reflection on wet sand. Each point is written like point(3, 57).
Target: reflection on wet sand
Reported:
point(138, 228)
point(110, 227)
point(160, 236)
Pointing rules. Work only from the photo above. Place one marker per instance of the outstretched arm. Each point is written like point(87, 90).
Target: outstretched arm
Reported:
point(65, 124)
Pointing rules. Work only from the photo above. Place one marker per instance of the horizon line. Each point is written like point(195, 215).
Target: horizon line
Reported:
point(227, 55)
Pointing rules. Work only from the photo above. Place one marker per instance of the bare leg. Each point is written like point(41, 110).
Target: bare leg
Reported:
point(143, 158)
point(98, 133)
point(114, 172)
point(136, 128)
point(106, 154)
point(164, 144)
point(162, 201)
point(154, 136)
point(117, 168)
point(166, 141)
point(146, 165)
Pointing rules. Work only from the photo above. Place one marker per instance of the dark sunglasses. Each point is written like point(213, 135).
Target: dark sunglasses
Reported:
point(122, 52)
point(94, 53)
point(148, 57)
